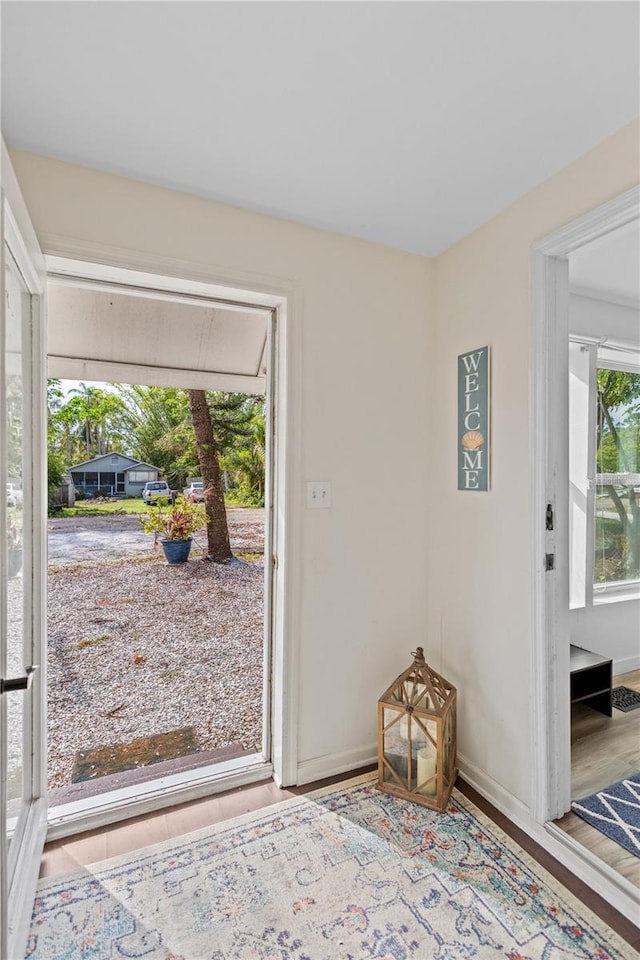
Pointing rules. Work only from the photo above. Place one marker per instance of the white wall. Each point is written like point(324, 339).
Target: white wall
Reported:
point(610, 628)
point(366, 312)
point(402, 557)
point(480, 559)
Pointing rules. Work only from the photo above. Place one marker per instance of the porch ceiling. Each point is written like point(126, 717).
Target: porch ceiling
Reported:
point(162, 341)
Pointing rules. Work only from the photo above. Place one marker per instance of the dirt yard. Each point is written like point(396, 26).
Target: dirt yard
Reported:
point(138, 648)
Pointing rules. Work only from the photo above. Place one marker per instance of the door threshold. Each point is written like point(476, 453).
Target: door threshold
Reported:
point(621, 893)
point(91, 813)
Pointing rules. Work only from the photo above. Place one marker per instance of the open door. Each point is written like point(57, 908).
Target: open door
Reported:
point(22, 567)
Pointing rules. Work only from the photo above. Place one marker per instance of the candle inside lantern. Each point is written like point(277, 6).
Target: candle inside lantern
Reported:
point(427, 771)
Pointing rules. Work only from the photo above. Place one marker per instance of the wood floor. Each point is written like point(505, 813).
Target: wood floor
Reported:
point(68, 854)
point(603, 751)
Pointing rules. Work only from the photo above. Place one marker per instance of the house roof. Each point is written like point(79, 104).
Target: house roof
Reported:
point(141, 463)
point(114, 453)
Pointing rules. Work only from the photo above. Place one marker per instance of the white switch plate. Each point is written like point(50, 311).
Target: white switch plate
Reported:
point(318, 494)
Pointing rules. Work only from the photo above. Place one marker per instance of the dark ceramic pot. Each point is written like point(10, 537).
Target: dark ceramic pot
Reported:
point(176, 551)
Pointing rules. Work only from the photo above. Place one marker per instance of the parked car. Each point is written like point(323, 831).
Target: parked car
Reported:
point(14, 495)
point(155, 490)
point(194, 491)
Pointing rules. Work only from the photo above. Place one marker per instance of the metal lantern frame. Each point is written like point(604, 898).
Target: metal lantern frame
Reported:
point(417, 739)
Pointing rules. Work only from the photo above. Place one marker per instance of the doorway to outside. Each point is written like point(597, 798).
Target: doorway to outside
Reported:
point(551, 624)
point(159, 675)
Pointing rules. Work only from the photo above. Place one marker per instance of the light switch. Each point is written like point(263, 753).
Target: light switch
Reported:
point(318, 494)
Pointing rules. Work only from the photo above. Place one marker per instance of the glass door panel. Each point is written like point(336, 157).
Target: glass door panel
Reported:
point(22, 569)
point(17, 320)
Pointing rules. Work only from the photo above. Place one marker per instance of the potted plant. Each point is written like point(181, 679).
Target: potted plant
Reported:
point(14, 541)
point(173, 525)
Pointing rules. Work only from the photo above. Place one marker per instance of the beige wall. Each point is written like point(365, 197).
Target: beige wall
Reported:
point(479, 563)
point(365, 315)
point(401, 558)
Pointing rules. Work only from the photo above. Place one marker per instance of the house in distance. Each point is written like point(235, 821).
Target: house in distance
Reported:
point(113, 475)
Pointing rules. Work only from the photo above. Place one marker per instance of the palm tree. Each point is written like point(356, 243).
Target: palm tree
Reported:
point(218, 546)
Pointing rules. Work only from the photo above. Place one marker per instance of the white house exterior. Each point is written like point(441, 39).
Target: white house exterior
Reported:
point(113, 475)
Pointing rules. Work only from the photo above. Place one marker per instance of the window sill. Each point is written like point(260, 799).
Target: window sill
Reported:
point(617, 593)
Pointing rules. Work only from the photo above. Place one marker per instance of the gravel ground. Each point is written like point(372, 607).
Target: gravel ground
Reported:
point(137, 647)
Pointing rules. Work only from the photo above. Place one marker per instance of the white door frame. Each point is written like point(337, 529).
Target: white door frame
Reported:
point(20, 868)
point(102, 263)
point(550, 707)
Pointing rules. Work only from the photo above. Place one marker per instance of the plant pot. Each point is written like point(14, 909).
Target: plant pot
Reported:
point(14, 565)
point(176, 551)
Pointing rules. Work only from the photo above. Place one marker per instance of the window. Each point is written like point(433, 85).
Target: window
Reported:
point(140, 476)
point(617, 478)
point(604, 472)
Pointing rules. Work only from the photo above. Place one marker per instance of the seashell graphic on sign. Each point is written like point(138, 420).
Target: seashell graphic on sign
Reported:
point(472, 440)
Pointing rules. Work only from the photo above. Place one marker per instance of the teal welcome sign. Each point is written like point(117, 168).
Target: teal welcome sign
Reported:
point(473, 420)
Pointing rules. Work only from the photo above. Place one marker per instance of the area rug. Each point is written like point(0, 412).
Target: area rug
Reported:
point(346, 873)
point(625, 699)
point(615, 811)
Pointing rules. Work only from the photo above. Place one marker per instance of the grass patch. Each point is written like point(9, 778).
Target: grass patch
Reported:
point(93, 508)
point(171, 674)
point(83, 644)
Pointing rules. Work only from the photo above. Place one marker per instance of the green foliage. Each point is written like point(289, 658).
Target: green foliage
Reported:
point(176, 521)
point(87, 424)
point(618, 421)
point(617, 539)
point(244, 461)
point(153, 424)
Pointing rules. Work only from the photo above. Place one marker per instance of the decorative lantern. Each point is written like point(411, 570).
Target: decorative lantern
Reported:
point(417, 736)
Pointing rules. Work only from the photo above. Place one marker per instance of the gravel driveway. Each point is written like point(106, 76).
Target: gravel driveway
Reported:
point(113, 535)
point(137, 647)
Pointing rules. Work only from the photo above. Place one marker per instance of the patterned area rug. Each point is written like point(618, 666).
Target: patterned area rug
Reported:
point(615, 811)
point(347, 873)
point(625, 699)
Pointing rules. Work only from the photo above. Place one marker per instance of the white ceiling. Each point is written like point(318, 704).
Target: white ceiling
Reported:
point(409, 124)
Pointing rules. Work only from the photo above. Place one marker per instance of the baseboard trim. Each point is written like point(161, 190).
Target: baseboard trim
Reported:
point(611, 886)
point(495, 793)
point(625, 665)
point(331, 764)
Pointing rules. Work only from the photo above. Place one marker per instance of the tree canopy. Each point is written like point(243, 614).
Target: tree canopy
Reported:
point(154, 425)
point(618, 451)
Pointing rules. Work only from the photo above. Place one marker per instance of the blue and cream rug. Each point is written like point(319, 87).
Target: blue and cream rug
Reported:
point(346, 873)
point(615, 811)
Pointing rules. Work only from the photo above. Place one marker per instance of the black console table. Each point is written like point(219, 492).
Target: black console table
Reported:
point(591, 680)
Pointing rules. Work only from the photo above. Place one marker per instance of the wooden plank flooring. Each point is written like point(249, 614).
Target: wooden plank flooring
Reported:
point(70, 853)
point(603, 750)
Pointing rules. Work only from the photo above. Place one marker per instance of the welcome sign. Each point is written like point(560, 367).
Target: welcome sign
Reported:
point(473, 420)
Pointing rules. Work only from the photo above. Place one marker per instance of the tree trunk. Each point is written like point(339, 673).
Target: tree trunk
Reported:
point(218, 546)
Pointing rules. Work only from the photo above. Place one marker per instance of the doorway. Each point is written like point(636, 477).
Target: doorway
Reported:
point(551, 631)
point(170, 335)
